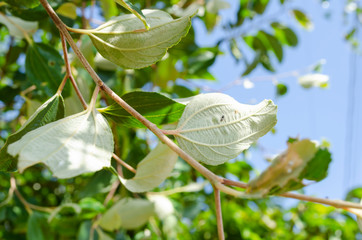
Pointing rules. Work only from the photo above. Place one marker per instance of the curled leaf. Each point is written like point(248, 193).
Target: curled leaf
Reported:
point(70, 146)
point(128, 213)
point(152, 170)
point(123, 40)
point(302, 160)
point(138, 13)
point(215, 128)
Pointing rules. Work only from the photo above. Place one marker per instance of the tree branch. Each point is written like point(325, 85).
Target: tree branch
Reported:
point(220, 227)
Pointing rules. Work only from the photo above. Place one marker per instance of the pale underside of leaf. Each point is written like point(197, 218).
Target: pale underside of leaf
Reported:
point(215, 128)
point(17, 27)
point(128, 213)
point(120, 42)
point(69, 147)
point(152, 170)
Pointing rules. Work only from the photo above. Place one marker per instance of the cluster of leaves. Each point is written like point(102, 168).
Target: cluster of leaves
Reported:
point(95, 205)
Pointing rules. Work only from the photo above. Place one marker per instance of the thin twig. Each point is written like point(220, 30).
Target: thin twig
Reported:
point(62, 84)
point(111, 193)
point(220, 227)
point(124, 164)
point(28, 206)
point(69, 72)
point(334, 203)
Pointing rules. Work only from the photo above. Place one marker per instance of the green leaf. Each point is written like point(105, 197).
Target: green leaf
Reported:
point(152, 170)
point(285, 34)
point(215, 128)
point(90, 208)
point(303, 19)
point(154, 106)
point(44, 68)
point(235, 51)
point(317, 168)
point(38, 227)
point(272, 43)
point(71, 146)
point(122, 40)
point(302, 160)
point(128, 213)
point(109, 8)
point(100, 182)
point(68, 10)
point(133, 9)
point(50, 111)
point(265, 61)
point(250, 67)
point(282, 89)
point(13, 24)
point(23, 3)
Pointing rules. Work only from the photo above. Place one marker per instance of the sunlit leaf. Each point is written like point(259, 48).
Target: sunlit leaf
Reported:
point(133, 9)
point(272, 43)
point(152, 170)
point(128, 213)
point(314, 80)
point(153, 106)
point(17, 27)
point(50, 111)
point(71, 146)
point(302, 160)
point(303, 19)
point(163, 205)
point(215, 128)
point(122, 40)
point(68, 10)
point(285, 34)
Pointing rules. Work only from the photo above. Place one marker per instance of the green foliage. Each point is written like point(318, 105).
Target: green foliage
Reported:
point(214, 129)
point(154, 106)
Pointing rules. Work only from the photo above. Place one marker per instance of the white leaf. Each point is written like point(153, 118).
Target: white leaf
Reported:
point(128, 213)
point(314, 80)
point(215, 128)
point(214, 6)
point(163, 205)
point(152, 170)
point(71, 146)
point(13, 24)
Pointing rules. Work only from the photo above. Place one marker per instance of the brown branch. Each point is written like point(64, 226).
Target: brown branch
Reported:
point(220, 227)
point(334, 203)
point(124, 164)
point(69, 72)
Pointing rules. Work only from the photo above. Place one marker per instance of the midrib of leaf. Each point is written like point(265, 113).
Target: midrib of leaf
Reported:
point(225, 144)
point(220, 125)
point(133, 49)
point(60, 122)
point(133, 31)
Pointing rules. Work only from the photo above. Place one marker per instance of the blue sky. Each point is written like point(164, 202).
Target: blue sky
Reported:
point(313, 113)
